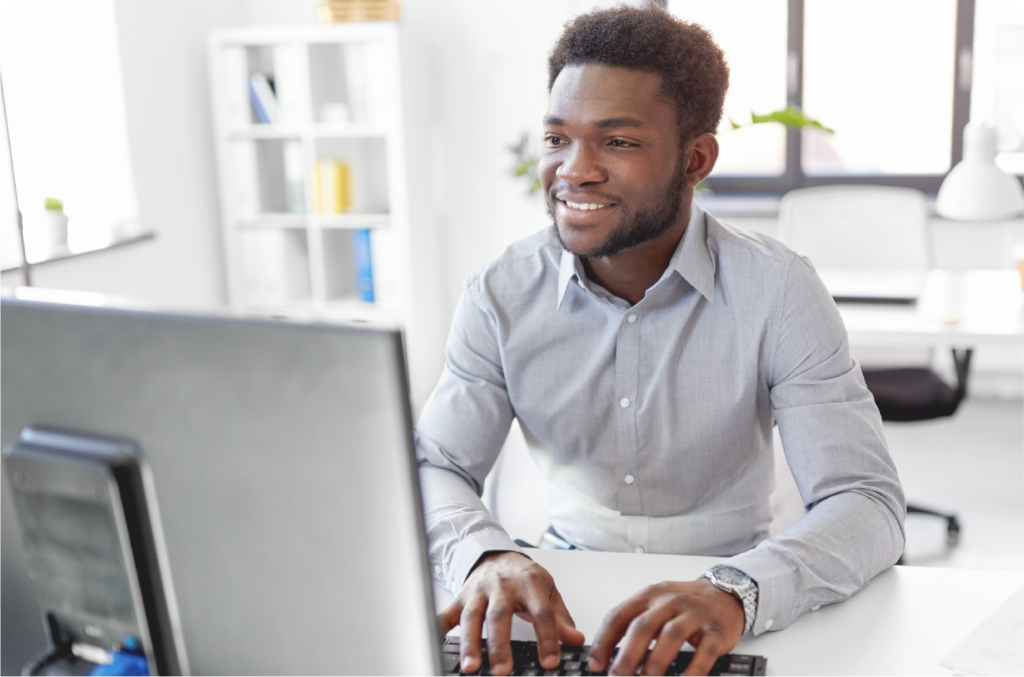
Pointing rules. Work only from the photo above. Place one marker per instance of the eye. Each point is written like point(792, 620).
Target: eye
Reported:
point(619, 143)
point(554, 141)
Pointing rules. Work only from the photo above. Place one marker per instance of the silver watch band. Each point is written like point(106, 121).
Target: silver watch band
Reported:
point(747, 596)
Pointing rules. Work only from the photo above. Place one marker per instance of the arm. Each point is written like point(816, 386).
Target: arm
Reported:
point(834, 443)
point(832, 433)
point(459, 436)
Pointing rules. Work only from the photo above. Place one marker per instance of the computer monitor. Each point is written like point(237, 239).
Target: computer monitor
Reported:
point(282, 466)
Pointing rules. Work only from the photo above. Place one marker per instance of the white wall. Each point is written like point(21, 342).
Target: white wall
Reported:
point(170, 138)
point(474, 79)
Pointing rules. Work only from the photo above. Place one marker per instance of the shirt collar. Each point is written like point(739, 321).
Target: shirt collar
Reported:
point(692, 259)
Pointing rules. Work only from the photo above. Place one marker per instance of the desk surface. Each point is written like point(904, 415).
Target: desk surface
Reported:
point(902, 623)
point(957, 308)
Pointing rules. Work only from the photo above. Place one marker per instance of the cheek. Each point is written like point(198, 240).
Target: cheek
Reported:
point(546, 168)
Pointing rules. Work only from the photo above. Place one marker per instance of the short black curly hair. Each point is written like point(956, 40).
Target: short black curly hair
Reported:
point(694, 73)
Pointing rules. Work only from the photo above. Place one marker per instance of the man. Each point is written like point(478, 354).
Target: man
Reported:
point(647, 350)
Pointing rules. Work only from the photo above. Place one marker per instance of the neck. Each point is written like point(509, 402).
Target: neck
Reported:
point(630, 273)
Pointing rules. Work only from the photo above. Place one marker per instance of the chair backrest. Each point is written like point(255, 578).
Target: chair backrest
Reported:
point(857, 227)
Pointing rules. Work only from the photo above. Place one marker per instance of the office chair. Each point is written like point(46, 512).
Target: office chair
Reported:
point(878, 228)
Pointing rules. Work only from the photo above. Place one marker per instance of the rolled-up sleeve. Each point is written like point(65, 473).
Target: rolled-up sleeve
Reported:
point(832, 434)
point(458, 438)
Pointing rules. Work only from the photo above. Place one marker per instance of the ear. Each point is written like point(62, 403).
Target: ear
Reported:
point(702, 156)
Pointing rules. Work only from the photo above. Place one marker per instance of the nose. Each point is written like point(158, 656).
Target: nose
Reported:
point(580, 167)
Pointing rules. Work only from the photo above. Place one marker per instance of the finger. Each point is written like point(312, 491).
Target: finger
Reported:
point(642, 631)
point(471, 623)
point(499, 634)
point(567, 632)
point(671, 638)
point(710, 647)
point(545, 625)
point(613, 627)
point(449, 618)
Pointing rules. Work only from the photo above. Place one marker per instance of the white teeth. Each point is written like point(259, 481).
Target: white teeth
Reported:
point(584, 205)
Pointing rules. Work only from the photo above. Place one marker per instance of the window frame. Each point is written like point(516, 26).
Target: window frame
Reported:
point(794, 176)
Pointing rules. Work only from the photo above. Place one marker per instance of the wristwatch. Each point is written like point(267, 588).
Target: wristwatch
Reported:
point(735, 582)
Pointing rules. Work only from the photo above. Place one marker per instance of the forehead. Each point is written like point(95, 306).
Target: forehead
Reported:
point(590, 93)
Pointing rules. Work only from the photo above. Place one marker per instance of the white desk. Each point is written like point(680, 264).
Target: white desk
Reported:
point(957, 309)
point(903, 623)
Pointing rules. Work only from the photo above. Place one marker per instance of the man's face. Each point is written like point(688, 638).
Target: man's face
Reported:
point(611, 167)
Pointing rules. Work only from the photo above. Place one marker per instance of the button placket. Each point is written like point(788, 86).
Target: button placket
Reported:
point(627, 364)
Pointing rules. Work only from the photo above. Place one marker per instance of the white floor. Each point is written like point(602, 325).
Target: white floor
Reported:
point(973, 464)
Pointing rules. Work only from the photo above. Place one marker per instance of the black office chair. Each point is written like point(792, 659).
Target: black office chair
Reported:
point(918, 394)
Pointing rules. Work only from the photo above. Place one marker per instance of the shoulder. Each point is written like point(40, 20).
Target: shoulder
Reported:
point(743, 255)
point(730, 240)
point(523, 268)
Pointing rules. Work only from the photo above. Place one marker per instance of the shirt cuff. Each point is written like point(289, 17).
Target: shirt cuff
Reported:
point(470, 549)
point(776, 591)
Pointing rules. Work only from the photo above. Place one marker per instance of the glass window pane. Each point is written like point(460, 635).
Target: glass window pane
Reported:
point(753, 35)
point(880, 73)
point(65, 106)
point(997, 90)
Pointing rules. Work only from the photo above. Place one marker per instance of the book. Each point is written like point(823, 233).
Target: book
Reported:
point(333, 186)
point(264, 102)
point(295, 190)
point(364, 264)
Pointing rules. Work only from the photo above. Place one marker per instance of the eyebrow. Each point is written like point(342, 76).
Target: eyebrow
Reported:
point(603, 124)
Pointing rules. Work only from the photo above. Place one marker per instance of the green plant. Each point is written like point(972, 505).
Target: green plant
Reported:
point(526, 165)
point(790, 116)
point(52, 204)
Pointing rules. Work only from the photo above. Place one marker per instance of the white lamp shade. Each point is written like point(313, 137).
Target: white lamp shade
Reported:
point(976, 189)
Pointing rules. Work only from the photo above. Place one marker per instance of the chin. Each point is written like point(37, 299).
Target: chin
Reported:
point(578, 241)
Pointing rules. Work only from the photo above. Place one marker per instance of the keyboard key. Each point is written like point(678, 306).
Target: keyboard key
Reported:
point(571, 665)
point(450, 662)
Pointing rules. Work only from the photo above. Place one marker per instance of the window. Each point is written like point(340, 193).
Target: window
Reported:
point(64, 96)
point(893, 78)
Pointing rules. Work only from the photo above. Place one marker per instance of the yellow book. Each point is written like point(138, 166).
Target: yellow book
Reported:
point(333, 186)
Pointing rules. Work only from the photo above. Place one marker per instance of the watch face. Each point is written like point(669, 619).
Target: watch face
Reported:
point(731, 576)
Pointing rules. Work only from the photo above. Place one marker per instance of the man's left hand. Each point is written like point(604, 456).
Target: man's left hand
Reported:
point(671, 613)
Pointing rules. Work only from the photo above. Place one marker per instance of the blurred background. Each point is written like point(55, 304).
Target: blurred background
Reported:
point(238, 154)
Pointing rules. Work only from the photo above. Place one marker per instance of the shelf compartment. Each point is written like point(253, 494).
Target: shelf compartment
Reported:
point(275, 266)
point(268, 177)
point(368, 171)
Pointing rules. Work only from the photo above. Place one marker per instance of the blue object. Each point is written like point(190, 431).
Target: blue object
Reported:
point(124, 663)
point(364, 264)
point(257, 104)
point(131, 643)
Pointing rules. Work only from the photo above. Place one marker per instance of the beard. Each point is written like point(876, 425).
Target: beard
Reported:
point(648, 222)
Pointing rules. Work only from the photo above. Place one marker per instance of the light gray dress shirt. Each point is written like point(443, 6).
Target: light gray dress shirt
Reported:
point(653, 422)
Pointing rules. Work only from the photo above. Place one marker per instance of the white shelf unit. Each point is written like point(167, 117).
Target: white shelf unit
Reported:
point(282, 257)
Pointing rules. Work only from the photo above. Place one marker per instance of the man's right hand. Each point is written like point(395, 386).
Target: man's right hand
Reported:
point(502, 584)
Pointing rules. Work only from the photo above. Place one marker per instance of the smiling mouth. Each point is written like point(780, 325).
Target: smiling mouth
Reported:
point(584, 206)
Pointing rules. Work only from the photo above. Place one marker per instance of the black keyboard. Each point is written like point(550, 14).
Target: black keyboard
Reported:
point(574, 661)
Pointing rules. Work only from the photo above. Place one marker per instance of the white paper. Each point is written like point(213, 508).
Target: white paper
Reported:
point(996, 647)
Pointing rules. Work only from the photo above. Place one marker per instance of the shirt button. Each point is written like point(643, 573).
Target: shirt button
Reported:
point(639, 549)
point(437, 569)
point(628, 479)
point(769, 623)
point(815, 607)
point(631, 319)
point(624, 402)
